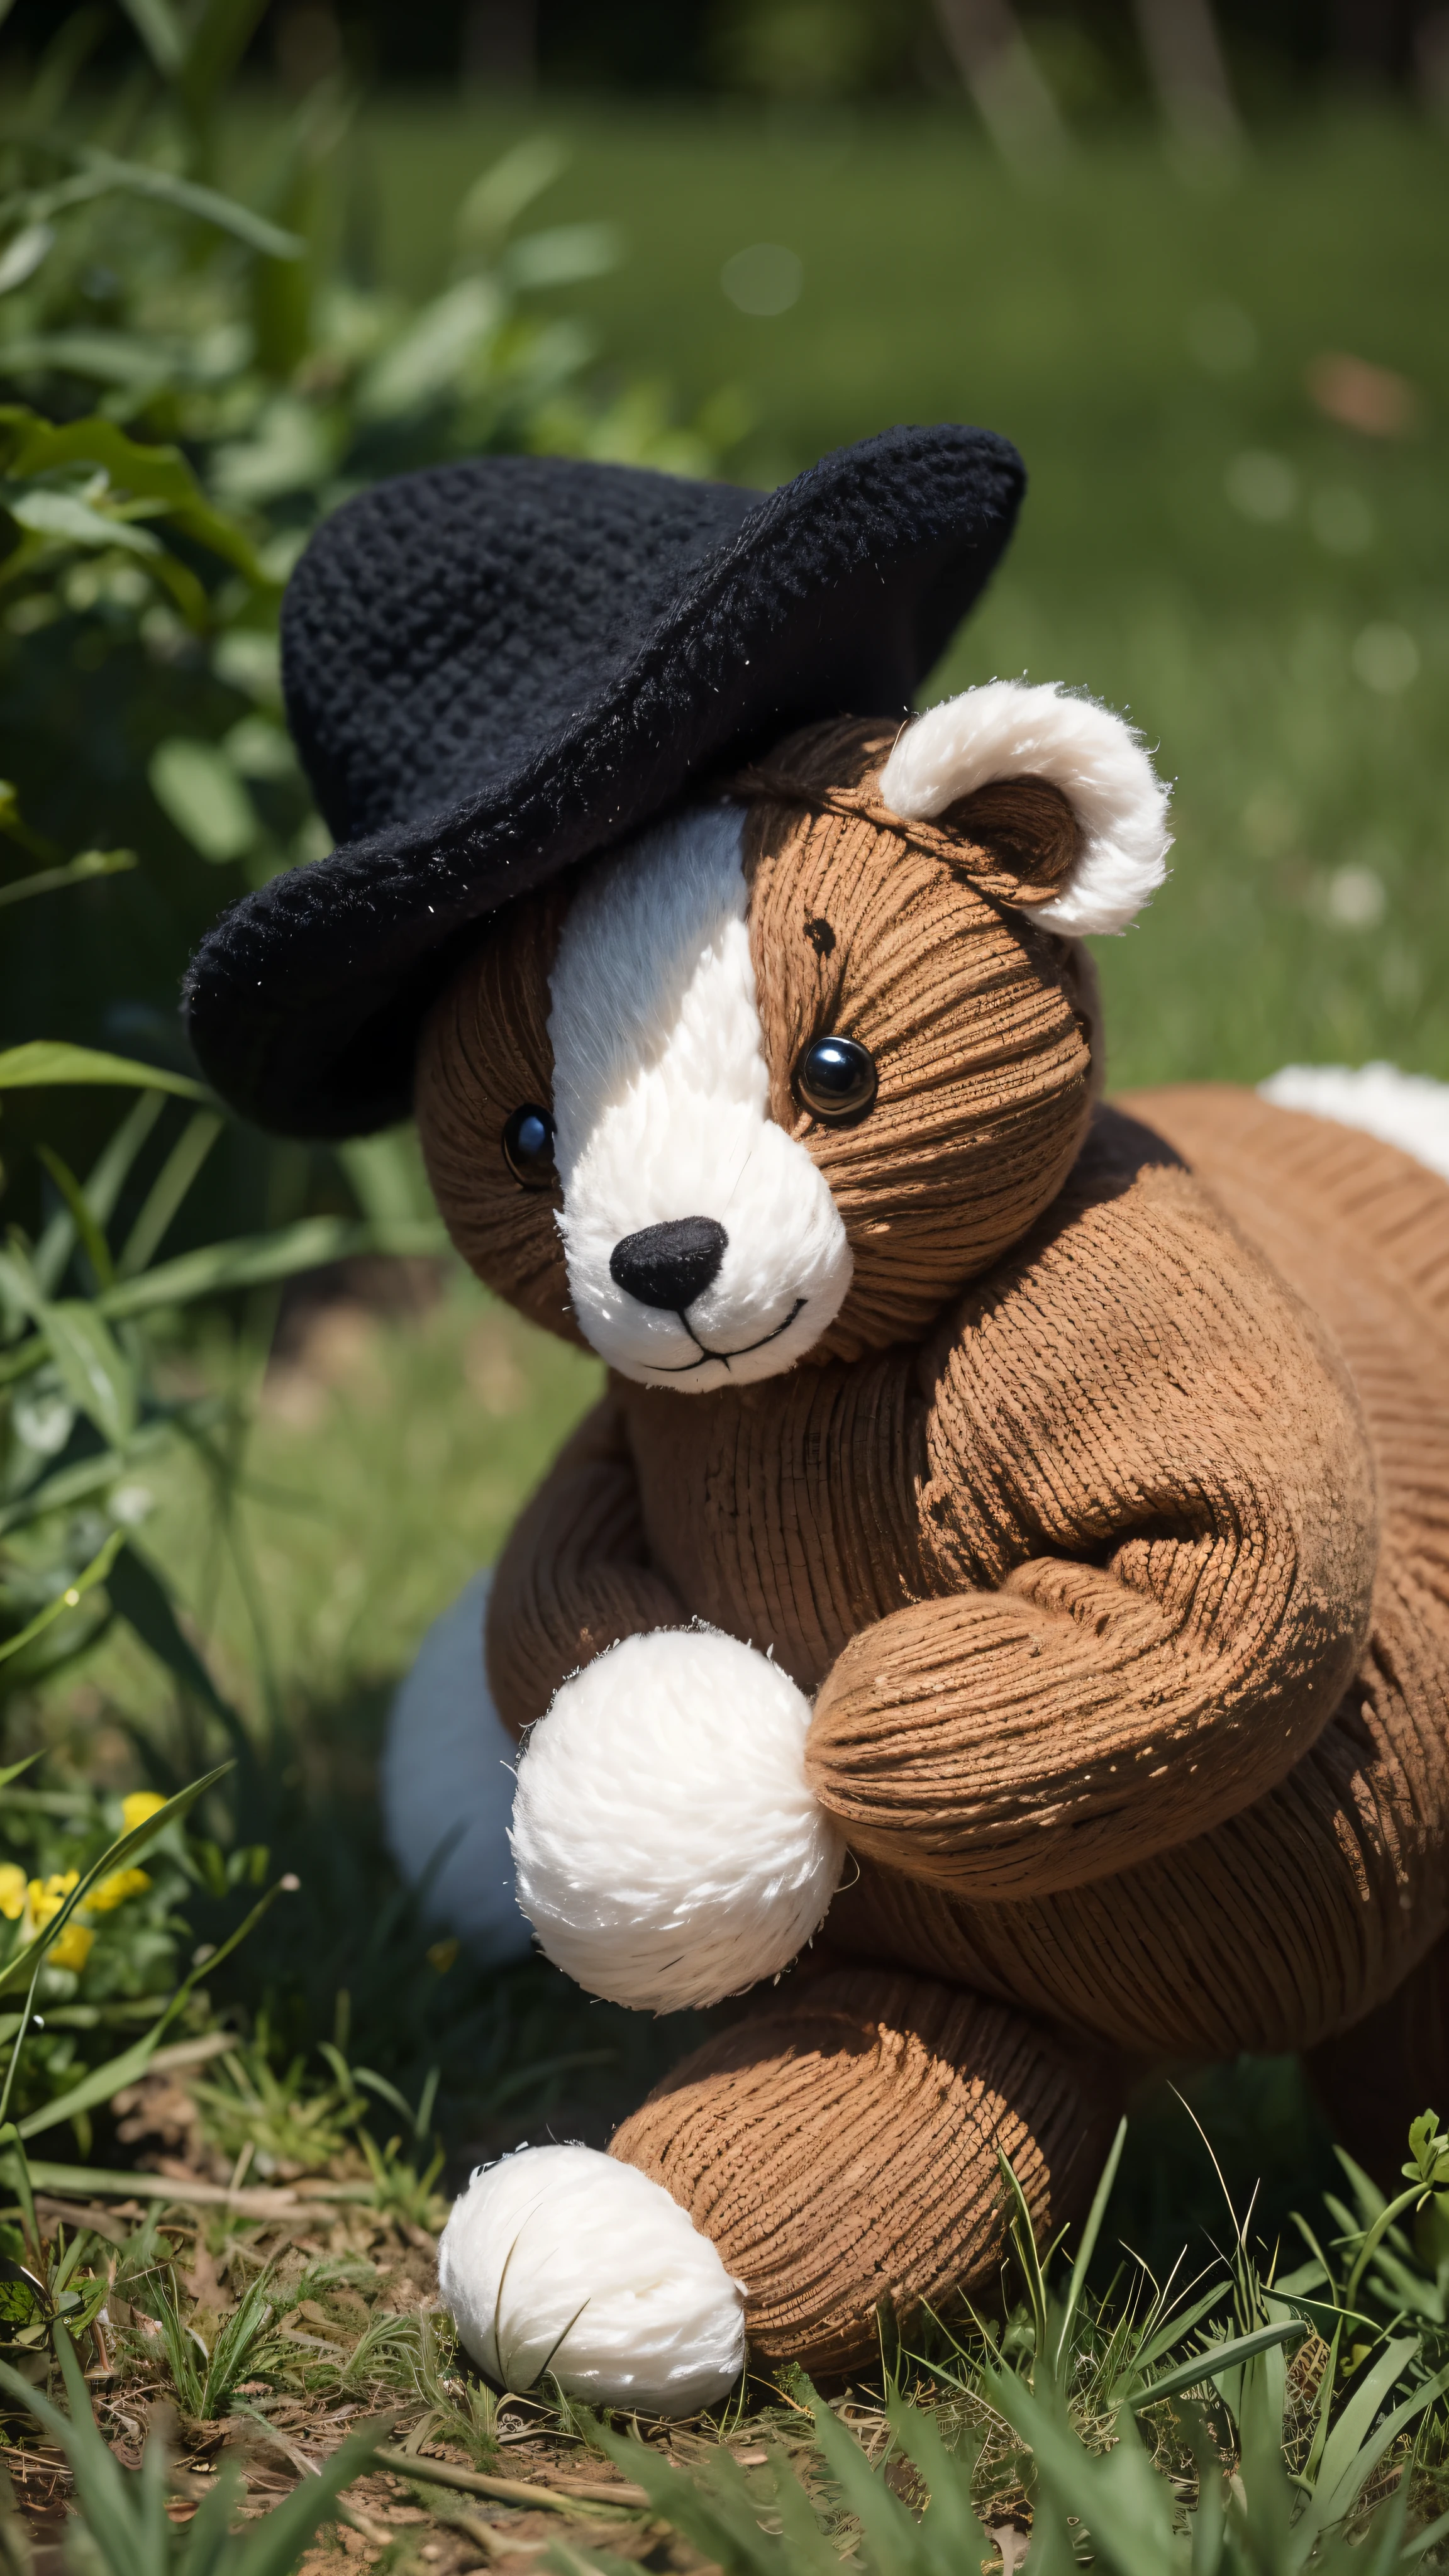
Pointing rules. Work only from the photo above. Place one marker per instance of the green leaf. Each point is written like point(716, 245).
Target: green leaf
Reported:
point(1218, 2358)
point(96, 1572)
point(129, 2067)
point(293, 448)
point(1432, 2538)
point(140, 1597)
point(109, 357)
point(252, 1261)
point(1180, 2323)
point(91, 1476)
point(138, 179)
point(97, 1250)
point(387, 1176)
point(103, 1186)
point(1022, 2236)
point(99, 2479)
point(426, 360)
point(274, 2545)
point(1352, 2452)
point(30, 445)
point(159, 29)
point(722, 2524)
point(64, 514)
point(98, 2086)
point(1428, 2151)
point(562, 255)
point(23, 255)
point(218, 36)
point(1090, 2233)
point(124, 2513)
point(81, 871)
point(96, 1377)
point(887, 2527)
point(168, 1191)
point(498, 198)
point(952, 2522)
point(94, 1371)
point(50, 1060)
point(197, 788)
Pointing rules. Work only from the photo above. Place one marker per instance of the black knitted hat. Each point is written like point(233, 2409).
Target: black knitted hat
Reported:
point(495, 668)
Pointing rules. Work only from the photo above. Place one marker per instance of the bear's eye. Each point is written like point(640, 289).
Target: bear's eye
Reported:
point(835, 1080)
point(528, 1147)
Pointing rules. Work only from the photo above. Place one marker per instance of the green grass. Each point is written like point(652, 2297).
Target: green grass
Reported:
point(1230, 2425)
point(388, 1459)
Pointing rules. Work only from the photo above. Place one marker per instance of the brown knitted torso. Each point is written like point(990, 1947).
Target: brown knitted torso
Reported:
point(1295, 1917)
point(1107, 1527)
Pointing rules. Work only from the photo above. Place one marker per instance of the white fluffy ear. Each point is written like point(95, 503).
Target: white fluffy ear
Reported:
point(1008, 730)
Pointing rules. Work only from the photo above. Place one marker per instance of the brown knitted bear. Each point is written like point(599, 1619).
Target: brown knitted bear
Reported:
point(1061, 1492)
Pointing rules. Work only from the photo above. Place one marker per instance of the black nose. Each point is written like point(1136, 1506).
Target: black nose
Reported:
point(669, 1265)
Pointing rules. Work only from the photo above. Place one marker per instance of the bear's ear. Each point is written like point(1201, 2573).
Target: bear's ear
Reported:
point(1055, 785)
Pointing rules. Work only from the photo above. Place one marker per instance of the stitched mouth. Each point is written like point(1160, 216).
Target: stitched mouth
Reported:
point(688, 1367)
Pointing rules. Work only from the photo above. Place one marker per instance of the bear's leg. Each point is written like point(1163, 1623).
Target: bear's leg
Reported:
point(836, 2153)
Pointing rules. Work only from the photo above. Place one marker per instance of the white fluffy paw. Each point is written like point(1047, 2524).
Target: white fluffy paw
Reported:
point(668, 1847)
point(561, 2263)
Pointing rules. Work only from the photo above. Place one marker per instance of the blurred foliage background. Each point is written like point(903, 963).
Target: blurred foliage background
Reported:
point(1193, 261)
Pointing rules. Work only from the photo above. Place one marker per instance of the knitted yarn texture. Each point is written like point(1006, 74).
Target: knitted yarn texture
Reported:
point(1105, 1530)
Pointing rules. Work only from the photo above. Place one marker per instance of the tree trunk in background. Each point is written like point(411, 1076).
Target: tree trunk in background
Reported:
point(500, 44)
point(1000, 75)
point(1189, 74)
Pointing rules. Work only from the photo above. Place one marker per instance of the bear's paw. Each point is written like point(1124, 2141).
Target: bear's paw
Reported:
point(668, 1848)
point(561, 2263)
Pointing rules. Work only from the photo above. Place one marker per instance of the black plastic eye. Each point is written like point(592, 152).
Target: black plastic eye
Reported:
point(528, 1147)
point(836, 1080)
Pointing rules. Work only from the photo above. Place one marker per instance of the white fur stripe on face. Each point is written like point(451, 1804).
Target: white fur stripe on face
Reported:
point(1009, 730)
point(661, 1102)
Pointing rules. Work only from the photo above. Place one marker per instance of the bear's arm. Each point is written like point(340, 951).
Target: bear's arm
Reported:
point(574, 1576)
point(1155, 1455)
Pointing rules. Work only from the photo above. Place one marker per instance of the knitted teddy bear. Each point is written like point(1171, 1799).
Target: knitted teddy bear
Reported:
point(1013, 1544)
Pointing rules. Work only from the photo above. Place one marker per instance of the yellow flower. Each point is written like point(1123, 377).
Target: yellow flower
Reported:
point(12, 1891)
point(114, 1890)
point(73, 1947)
point(141, 1804)
point(48, 1896)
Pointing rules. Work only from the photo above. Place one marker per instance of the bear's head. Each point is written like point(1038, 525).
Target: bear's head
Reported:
point(777, 1078)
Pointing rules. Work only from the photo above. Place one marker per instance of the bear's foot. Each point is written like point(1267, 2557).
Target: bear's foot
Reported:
point(669, 1849)
point(841, 2148)
point(560, 2263)
point(824, 2166)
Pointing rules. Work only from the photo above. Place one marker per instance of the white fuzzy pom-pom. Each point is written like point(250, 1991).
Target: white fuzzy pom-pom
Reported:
point(562, 2262)
point(668, 1847)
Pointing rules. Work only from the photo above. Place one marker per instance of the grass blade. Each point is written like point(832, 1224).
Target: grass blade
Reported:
point(1088, 2246)
point(46, 1060)
point(96, 1572)
point(1218, 2357)
point(124, 1849)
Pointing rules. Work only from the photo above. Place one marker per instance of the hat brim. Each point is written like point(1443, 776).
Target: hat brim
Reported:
point(834, 596)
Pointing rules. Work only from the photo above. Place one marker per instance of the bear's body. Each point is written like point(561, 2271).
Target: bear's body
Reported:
point(1118, 1580)
point(1303, 1910)
point(1014, 1544)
